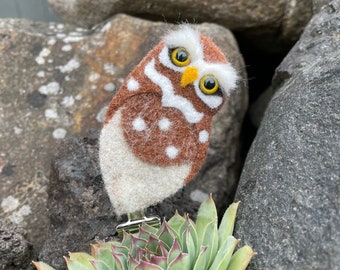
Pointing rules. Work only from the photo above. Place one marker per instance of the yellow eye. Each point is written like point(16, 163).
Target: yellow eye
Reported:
point(209, 84)
point(180, 57)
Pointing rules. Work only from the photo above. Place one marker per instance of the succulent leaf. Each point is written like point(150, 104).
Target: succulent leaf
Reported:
point(120, 261)
point(118, 249)
point(164, 252)
point(160, 261)
point(176, 222)
point(210, 240)
point(207, 213)
point(42, 266)
point(174, 251)
point(153, 244)
point(193, 234)
point(143, 234)
point(224, 254)
point(132, 262)
point(166, 235)
point(149, 228)
point(126, 242)
point(79, 261)
point(143, 265)
point(105, 255)
point(136, 243)
point(189, 246)
point(241, 258)
point(228, 221)
point(201, 261)
point(182, 262)
point(100, 265)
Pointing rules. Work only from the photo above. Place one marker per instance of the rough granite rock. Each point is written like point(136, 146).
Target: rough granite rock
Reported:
point(56, 81)
point(257, 108)
point(15, 250)
point(289, 186)
point(269, 23)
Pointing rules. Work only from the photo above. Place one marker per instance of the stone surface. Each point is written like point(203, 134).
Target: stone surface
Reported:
point(258, 107)
point(55, 82)
point(15, 250)
point(269, 23)
point(289, 186)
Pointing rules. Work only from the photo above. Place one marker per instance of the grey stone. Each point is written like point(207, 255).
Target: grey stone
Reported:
point(289, 186)
point(269, 24)
point(257, 108)
point(15, 250)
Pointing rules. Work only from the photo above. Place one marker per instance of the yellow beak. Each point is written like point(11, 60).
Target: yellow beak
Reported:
point(189, 75)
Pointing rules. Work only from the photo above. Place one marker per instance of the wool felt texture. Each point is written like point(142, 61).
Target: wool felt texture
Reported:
point(133, 185)
point(156, 128)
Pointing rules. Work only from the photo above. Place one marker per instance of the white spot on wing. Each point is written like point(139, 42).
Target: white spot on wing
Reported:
point(164, 124)
point(171, 152)
point(203, 136)
point(139, 124)
point(132, 84)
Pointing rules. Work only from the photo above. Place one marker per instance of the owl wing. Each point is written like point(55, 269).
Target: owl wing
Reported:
point(202, 134)
point(135, 84)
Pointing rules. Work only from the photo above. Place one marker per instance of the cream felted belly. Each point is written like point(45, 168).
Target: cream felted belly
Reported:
point(131, 183)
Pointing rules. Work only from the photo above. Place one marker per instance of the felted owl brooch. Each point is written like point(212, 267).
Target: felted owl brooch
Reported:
point(157, 127)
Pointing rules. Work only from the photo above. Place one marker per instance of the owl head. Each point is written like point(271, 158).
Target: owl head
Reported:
point(203, 68)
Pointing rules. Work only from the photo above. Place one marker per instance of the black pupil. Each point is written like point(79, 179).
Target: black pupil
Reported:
point(181, 56)
point(209, 83)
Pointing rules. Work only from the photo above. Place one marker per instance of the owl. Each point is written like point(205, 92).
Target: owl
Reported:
point(156, 130)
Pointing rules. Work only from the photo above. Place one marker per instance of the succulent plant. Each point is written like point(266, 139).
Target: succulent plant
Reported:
point(178, 244)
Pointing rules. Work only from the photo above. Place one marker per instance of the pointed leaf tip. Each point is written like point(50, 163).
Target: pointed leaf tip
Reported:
point(227, 224)
point(79, 261)
point(241, 258)
point(42, 266)
point(207, 213)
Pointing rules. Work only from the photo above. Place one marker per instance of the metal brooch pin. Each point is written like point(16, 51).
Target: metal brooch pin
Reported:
point(135, 220)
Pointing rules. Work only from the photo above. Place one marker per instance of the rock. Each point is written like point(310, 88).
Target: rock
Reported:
point(55, 82)
point(289, 186)
point(15, 250)
point(78, 206)
point(267, 23)
point(258, 107)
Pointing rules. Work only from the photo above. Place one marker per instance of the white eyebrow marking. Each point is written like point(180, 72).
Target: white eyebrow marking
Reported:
point(169, 98)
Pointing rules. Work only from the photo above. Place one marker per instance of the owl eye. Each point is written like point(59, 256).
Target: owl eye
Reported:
point(180, 57)
point(209, 84)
